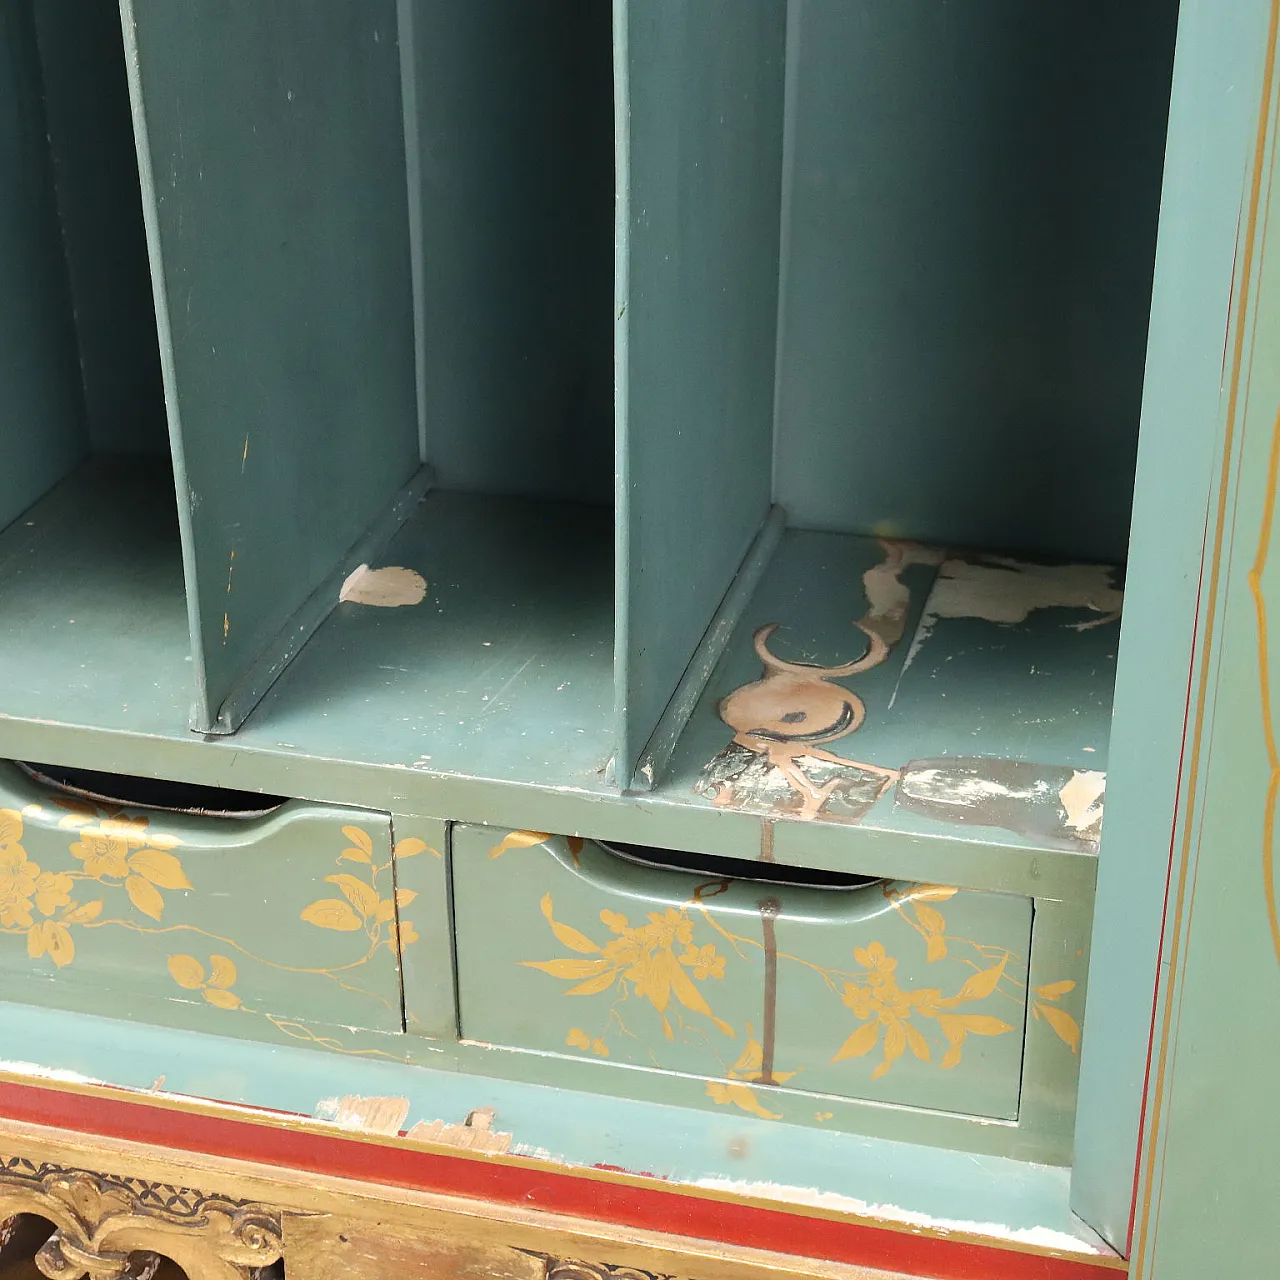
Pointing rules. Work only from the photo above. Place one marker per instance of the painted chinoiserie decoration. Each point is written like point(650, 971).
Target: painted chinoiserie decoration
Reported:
point(665, 594)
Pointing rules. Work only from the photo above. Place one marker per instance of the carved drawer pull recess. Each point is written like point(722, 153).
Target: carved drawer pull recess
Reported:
point(103, 1223)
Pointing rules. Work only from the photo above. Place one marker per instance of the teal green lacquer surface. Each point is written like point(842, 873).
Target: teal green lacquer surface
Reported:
point(1208, 1181)
point(267, 926)
point(272, 153)
point(893, 992)
point(699, 122)
point(43, 432)
point(966, 269)
point(1212, 130)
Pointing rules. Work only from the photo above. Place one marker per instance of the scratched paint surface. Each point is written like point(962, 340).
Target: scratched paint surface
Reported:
point(992, 698)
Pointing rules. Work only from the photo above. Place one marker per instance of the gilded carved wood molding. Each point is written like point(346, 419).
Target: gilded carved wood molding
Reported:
point(102, 1222)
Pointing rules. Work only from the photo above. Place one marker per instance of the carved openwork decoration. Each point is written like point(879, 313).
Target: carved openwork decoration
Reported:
point(575, 1269)
point(102, 1219)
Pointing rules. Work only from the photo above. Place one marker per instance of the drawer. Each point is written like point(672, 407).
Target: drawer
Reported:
point(260, 923)
point(889, 992)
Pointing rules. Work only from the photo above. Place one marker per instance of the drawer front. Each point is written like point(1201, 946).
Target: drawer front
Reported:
point(261, 927)
point(891, 992)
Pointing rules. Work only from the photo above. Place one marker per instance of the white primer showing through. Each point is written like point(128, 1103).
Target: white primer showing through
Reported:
point(1041, 1237)
point(383, 588)
point(45, 1073)
point(1082, 799)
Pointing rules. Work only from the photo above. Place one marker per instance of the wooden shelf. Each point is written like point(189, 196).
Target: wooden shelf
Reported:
point(992, 703)
point(94, 626)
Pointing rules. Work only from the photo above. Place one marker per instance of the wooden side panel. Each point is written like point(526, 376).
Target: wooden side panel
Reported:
point(1212, 129)
point(511, 170)
point(273, 163)
point(971, 204)
point(1206, 1197)
point(699, 124)
point(43, 434)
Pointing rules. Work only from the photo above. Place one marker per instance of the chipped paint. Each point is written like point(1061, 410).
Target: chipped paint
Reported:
point(384, 588)
point(1042, 1237)
point(1081, 799)
point(40, 1072)
point(1033, 800)
point(1008, 591)
point(370, 1115)
point(475, 1133)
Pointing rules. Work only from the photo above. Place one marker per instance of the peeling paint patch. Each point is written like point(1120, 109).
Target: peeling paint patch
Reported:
point(383, 588)
point(371, 1115)
point(1042, 1237)
point(1082, 801)
point(1009, 591)
point(475, 1133)
point(1029, 799)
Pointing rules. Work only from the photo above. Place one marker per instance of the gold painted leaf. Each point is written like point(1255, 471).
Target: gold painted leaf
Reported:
point(919, 1045)
point(75, 805)
point(145, 896)
point(752, 1057)
point(599, 1048)
point(981, 1024)
point(568, 936)
point(1055, 990)
point(860, 1042)
point(981, 984)
point(575, 969)
point(361, 896)
point(361, 839)
point(931, 893)
point(935, 948)
point(931, 920)
point(411, 847)
point(82, 914)
point(386, 910)
point(186, 971)
point(69, 820)
point(614, 922)
point(683, 989)
point(592, 986)
point(519, 840)
point(160, 868)
point(58, 943)
point(352, 854)
point(729, 1093)
point(1067, 1028)
point(951, 1058)
point(895, 1041)
point(577, 1039)
point(35, 941)
point(222, 971)
point(221, 999)
point(405, 896)
point(331, 913)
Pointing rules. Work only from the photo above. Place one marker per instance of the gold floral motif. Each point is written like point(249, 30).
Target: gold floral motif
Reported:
point(639, 960)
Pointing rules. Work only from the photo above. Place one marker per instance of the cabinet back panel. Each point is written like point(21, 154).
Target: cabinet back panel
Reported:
point(43, 434)
point(700, 95)
point(100, 210)
point(511, 163)
point(279, 232)
point(972, 201)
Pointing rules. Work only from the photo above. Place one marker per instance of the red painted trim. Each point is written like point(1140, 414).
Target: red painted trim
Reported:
point(656, 1208)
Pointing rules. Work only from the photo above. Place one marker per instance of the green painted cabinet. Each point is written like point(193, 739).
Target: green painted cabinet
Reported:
point(503, 436)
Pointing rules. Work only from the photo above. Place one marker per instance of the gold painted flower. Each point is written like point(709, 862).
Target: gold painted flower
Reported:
point(102, 855)
point(666, 930)
point(53, 890)
point(18, 876)
point(705, 961)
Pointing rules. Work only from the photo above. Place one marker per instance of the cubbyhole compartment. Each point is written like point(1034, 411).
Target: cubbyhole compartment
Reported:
point(92, 613)
point(401, 281)
point(948, 228)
